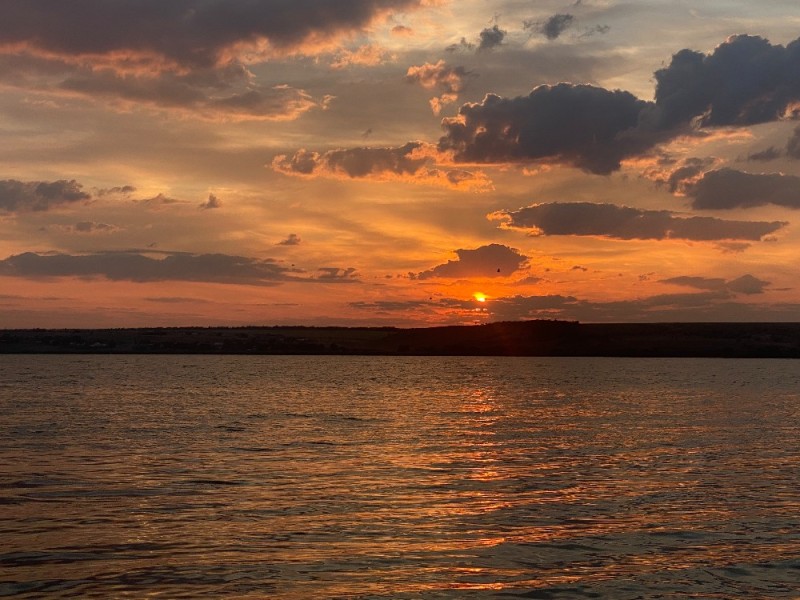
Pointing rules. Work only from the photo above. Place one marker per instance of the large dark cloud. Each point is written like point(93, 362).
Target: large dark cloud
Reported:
point(140, 267)
point(744, 81)
point(492, 260)
point(729, 188)
point(26, 196)
point(586, 126)
point(625, 223)
point(196, 33)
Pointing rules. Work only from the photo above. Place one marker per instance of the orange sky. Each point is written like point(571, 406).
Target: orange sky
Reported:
point(389, 162)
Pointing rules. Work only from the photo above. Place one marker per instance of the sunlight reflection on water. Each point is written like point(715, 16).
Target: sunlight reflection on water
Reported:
point(300, 477)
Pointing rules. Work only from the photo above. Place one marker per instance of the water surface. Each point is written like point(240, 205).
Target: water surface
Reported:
point(370, 477)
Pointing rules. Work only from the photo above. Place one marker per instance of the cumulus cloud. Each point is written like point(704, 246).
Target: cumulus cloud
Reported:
point(492, 260)
point(625, 223)
point(491, 38)
point(442, 76)
point(582, 125)
point(146, 267)
point(728, 188)
point(30, 196)
point(183, 34)
point(415, 162)
point(746, 284)
point(744, 81)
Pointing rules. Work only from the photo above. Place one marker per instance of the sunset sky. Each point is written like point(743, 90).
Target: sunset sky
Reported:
point(398, 162)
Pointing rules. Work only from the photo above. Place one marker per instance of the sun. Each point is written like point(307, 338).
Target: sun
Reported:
point(480, 297)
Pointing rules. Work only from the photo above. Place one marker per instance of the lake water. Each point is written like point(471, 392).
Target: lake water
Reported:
point(356, 477)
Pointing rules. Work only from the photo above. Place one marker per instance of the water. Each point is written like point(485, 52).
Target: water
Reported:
point(355, 477)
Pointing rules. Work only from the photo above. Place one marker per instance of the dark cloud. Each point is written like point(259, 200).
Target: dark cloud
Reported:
point(625, 223)
point(676, 178)
point(768, 154)
point(141, 267)
point(491, 38)
point(292, 240)
point(195, 33)
point(745, 80)
point(414, 162)
point(28, 196)
point(746, 284)
point(729, 188)
point(556, 25)
point(582, 125)
point(493, 260)
point(211, 203)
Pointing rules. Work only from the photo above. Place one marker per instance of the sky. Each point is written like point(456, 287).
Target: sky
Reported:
point(398, 162)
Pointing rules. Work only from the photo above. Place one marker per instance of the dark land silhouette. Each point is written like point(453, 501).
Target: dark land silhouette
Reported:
point(518, 338)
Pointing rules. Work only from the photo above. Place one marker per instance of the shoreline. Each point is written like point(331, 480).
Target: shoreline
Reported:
point(517, 338)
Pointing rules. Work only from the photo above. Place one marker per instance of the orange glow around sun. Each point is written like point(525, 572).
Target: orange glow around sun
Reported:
point(480, 297)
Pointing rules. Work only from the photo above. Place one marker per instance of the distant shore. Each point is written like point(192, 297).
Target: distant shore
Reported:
point(518, 338)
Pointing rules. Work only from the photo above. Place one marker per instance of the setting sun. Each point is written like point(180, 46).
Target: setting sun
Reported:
point(479, 296)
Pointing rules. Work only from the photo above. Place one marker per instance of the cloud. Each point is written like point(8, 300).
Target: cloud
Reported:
point(336, 274)
point(493, 260)
point(728, 188)
point(744, 81)
point(746, 284)
point(581, 125)
point(448, 79)
point(147, 267)
point(211, 203)
point(30, 196)
point(677, 178)
point(369, 55)
point(415, 162)
point(793, 145)
point(768, 154)
point(230, 97)
point(292, 240)
point(491, 38)
point(625, 223)
point(90, 227)
point(556, 25)
point(182, 34)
